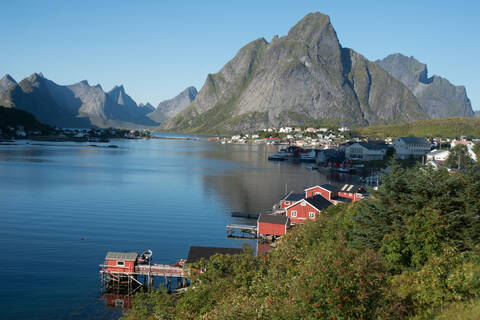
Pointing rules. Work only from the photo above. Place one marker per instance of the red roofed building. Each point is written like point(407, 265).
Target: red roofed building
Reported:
point(270, 225)
point(307, 209)
point(353, 192)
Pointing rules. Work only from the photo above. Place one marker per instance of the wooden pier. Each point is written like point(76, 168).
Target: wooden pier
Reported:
point(247, 231)
point(122, 273)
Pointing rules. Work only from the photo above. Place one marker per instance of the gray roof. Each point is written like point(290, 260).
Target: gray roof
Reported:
point(372, 146)
point(319, 202)
point(268, 218)
point(329, 187)
point(414, 140)
point(123, 256)
point(196, 253)
point(294, 196)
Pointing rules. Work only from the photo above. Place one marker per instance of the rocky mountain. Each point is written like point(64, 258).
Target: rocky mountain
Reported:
point(146, 108)
point(436, 95)
point(77, 105)
point(170, 108)
point(304, 77)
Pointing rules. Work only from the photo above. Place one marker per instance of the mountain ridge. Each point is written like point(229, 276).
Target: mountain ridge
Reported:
point(438, 97)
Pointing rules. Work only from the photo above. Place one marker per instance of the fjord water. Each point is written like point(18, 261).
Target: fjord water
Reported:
point(64, 205)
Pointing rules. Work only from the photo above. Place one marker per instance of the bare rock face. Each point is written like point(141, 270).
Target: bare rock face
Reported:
point(170, 108)
point(436, 95)
point(77, 105)
point(305, 77)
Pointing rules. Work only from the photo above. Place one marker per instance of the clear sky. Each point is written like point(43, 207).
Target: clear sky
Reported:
point(158, 48)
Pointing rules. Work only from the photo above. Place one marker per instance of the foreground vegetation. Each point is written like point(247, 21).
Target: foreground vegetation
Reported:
point(410, 251)
point(447, 127)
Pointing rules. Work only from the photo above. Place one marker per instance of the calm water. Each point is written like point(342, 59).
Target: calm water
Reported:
point(163, 195)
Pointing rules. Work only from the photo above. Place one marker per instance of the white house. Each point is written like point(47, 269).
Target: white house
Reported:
point(365, 151)
point(406, 147)
point(439, 156)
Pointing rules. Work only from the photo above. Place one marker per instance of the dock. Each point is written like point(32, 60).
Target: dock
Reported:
point(247, 231)
point(247, 215)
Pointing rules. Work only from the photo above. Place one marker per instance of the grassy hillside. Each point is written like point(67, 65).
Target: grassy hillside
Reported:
point(447, 127)
point(410, 251)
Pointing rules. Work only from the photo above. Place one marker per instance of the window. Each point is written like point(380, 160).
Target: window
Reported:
point(120, 263)
point(317, 193)
point(311, 215)
point(287, 202)
point(303, 204)
point(294, 214)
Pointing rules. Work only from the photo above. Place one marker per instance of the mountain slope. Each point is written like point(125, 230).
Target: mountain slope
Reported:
point(77, 105)
point(170, 108)
point(304, 77)
point(437, 96)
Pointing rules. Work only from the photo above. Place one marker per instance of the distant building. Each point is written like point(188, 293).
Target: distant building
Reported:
point(365, 151)
point(353, 192)
point(406, 147)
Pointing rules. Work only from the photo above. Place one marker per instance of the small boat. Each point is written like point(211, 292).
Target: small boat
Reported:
point(145, 257)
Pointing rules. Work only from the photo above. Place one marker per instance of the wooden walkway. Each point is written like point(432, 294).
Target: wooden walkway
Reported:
point(244, 229)
point(160, 270)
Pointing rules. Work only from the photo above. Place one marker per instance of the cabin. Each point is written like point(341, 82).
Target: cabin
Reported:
point(270, 225)
point(197, 253)
point(307, 209)
point(328, 191)
point(121, 262)
point(353, 192)
point(290, 198)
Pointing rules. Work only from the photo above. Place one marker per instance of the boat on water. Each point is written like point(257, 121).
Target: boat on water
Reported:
point(145, 257)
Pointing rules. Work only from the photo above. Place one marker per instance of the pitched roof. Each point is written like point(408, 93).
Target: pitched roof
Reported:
point(329, 187)
point(196, 253)
point(294, 196)
point(343, 199)
point(373, 146)
point(414, 140)
point(124, 256)
point(319, 202)
point(353, 188)
point(268, 218)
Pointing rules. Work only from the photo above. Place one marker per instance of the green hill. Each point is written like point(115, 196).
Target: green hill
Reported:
point(447, 127)
point(14, 117)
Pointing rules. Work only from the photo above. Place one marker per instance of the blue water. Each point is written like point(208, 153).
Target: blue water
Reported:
point(163, 195)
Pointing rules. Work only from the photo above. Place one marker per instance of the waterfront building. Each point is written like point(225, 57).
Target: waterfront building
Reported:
point(307, 209)
point(365, 151)
point(270, 225)
point(406, 147)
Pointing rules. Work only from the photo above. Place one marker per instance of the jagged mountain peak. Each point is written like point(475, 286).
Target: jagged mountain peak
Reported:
point(6, 83)
point(437, 96)
point(170, 108)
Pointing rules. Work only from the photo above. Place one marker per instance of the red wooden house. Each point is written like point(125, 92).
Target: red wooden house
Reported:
point(352, 191)
point(270, 225)
point(307, 209)
point(327, 191)
point(290, 198)
point(121, 262)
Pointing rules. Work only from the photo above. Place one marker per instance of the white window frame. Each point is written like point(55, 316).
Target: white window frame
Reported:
point(293, 213)
point(120, 263)
point(311, 215)
point(303, 203)
point(317, 193)
point(287, 202)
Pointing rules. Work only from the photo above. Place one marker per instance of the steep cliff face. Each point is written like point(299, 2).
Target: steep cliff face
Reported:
point(77, 105)
point(170, 108)
point(437, 96)
point(302, 78)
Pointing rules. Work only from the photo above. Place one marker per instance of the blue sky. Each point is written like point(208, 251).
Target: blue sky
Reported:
point(158, 48)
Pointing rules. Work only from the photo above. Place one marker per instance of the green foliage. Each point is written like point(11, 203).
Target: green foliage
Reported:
point(447, 127)
point(410, 251)
point(15, 117)
point(459, 157)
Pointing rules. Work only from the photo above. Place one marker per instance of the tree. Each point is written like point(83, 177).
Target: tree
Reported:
point(459, 157)
point(476, 150)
